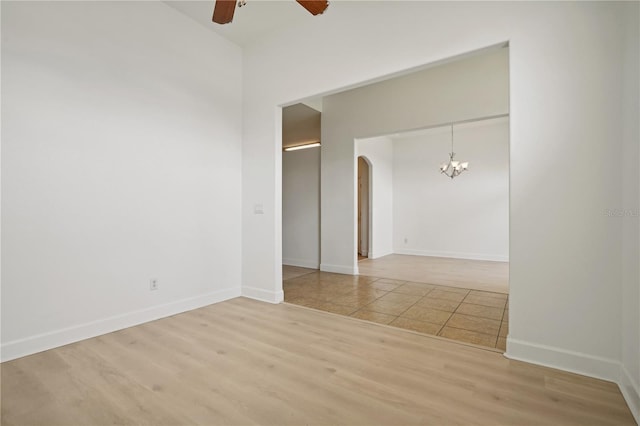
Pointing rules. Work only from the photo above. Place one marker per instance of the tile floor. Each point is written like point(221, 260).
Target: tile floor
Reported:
point(464, 273)
point(473, 316)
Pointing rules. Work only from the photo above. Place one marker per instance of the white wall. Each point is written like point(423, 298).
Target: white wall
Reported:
point(628, 215)
point(467, 217)
point(437, 95)
point(565, 104)
point(379, 153)
point(121, 143)
point(301, 208)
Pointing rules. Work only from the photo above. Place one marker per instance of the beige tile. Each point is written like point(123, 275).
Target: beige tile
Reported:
point(306, 279)
point(357, 300)
point(421, 283)
point(367, 292)
point(468, 336)
point(485, 301)
point(338, 309)
point(362, 279)
point(337, 277)
point(302, 301)
point(367, 279)
point(459, 273)
point(331, 307)
point(318, 282)
point(501, 343)
point(294, 287)
point(288, 297)
point(389, 281)
point(413, 288)
point(504, 329)
point(354, 280)
point(289, 272)
point(421, 326)
point(446, 295)
point(480, 325)
point(299, 289)
point(421, 313)
point(383, 285)
point(373, 316)
point(322, 295)
point(440, 304)
point(400, 298)
point(310, 302)
point(458, 290)
point(300, 286)
point(389, 308)
point(480, 311)
point(336, 287)
point(481, 293)
point(412, 305)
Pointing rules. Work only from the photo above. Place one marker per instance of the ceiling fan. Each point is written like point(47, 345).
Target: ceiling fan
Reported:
point(224, 9)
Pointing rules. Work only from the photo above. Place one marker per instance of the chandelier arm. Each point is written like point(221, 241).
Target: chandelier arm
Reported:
point(452, 138)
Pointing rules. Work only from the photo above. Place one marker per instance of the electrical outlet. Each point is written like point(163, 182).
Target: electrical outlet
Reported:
point(406, 240)
point(153, 284)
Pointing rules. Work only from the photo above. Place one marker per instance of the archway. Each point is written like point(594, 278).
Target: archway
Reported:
point(364, 208)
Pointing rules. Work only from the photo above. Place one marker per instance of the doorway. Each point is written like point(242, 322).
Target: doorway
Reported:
point(431, 254)
point(364, 209)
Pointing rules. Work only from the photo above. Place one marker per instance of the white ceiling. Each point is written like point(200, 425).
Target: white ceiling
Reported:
point(250, 22)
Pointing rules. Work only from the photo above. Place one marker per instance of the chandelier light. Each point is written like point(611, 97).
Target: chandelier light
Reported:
point(453, 168)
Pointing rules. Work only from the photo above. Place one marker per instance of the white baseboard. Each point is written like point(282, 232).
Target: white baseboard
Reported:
point(302, 263)
point(377, 255)
point(579, 363)
point(339, 269)
point(630, 391)
point(454, 255)
point(365, 253)
point(562, 359)
point(42, 342)
point(263, 295)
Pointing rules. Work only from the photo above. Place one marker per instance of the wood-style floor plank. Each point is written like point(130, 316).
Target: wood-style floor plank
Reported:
point(244, 362)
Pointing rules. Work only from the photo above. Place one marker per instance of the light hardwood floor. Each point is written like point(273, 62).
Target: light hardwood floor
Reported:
point(245, 362)
point(462, 273)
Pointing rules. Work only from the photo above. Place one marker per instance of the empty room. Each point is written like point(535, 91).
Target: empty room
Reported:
point(432, 238)
point(145, 215)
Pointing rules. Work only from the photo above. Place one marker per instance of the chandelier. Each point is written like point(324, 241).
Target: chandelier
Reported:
point(453, 168)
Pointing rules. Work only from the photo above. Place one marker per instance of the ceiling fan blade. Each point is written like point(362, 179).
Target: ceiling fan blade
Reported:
point(315, 7)
point(223, 11)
